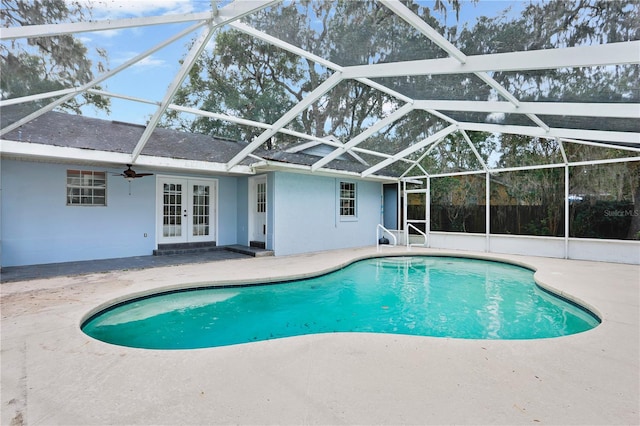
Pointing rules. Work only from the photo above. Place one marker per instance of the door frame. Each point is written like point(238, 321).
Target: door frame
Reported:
point(187, 181)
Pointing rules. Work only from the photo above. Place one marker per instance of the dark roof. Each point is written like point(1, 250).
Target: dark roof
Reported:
point(76, 131)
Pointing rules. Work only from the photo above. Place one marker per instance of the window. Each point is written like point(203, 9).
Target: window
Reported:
point(347, 199)
point(86, 188)
point(261, 197)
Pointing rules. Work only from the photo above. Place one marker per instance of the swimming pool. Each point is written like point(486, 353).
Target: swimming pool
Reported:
point(416, 295)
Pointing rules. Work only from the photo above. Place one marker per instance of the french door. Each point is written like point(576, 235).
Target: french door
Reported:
point(186, 210)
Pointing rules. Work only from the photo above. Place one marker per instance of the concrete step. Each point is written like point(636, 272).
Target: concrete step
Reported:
point(251, 251)
point(186, 248)
point(202, 247)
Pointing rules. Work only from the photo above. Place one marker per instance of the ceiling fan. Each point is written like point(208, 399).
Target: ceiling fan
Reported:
point(130, 174)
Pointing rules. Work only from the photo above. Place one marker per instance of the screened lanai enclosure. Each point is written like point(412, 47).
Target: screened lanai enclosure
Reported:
point(495, 126)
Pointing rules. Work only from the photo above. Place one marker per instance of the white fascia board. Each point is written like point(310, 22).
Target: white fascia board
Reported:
point(581, 56)
point(35, 150)
point(50, 152)
point(411, 149)
point(593, 135)
point(48, 30)
point(546, 108)
point(192, 165)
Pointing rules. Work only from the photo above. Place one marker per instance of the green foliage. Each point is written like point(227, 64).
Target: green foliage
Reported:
point(601, 219)
point(45, 64)
point(248, 78)
point(454, 203)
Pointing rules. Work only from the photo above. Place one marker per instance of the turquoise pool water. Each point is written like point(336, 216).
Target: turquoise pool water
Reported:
point(427, 296)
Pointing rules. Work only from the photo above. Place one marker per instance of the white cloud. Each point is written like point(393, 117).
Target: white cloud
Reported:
point(113, 9)
point(388, 108)
point(150, 62)
point(109, 33)
point(495, 117)
point(147, 63)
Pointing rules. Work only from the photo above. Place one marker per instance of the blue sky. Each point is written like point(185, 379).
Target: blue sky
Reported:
point(149, 78)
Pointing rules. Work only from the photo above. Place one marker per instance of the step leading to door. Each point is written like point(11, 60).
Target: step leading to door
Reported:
point(251, 251)
point(186, 248)
point(202, 247)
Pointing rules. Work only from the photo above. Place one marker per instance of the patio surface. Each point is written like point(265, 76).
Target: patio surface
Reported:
point(54, 374)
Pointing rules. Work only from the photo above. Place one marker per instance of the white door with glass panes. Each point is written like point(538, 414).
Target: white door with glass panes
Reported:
point(186, 210)
point(258, 210)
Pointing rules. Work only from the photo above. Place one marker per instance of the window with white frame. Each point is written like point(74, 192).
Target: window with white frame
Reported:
point(86, 188)
point(347, 199)
point(261, 197)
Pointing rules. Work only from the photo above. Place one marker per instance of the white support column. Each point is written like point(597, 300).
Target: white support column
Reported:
point(566, 211)
point(399, 199)
point(566, 198)
point(487, 213)
point(405, 202)
point(427, 226)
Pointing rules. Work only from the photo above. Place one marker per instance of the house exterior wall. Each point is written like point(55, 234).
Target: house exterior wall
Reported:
point(38, 227)
point(242, 213)
point(228, 220)
point(306, 217)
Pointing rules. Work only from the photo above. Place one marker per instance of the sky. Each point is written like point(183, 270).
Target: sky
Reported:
point(149, 78)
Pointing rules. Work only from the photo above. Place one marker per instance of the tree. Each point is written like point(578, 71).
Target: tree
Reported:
point(43, 64)
point(249, 78)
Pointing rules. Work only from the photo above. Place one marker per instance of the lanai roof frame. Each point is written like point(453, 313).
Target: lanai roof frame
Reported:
point(456, 63)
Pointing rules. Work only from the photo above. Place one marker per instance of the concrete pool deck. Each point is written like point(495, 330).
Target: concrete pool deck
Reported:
point(52, 373)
